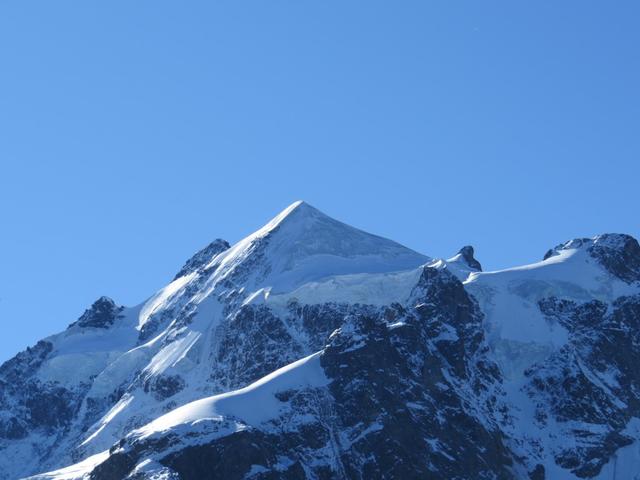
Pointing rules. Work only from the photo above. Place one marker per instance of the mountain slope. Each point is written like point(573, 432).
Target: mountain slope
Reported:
point(311, 349)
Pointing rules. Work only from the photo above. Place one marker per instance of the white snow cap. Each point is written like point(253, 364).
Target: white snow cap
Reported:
point(302, 244)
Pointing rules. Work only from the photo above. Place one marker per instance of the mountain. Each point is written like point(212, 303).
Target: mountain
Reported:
point(311, 349)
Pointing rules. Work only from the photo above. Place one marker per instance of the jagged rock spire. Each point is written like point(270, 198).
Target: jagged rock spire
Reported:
point(466, 253)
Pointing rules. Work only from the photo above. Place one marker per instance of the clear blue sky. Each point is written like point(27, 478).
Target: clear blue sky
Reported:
point(132, 133)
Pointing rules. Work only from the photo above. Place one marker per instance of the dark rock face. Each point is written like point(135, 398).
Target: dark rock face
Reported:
point(251, 346)
point(255, 341)
point(420, 436)
point(118, 466)
point(29, 405)
point(50, 407)
point(467, 254)
point(202, 257)
point(24, 364)
point(234, 456)
point(13, 429)
point(588, 386)
point(619, 254)
point(317, 322)
point(37, 405)
point(152, 327)
point(25, 400)
point(101, 314)
point(96, 407)
point(164, 386)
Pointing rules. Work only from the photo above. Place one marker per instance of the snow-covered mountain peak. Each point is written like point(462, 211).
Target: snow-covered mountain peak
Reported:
point(302, 244)
point(312, 349)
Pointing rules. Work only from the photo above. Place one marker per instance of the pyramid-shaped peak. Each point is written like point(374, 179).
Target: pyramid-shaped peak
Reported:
point(303, 244)
point(299, 205)
point(303, 229)
point(296, 211)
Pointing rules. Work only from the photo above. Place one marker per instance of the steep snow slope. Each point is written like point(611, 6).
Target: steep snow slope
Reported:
point(302, 244)
point(252, 405)
point(77, 471)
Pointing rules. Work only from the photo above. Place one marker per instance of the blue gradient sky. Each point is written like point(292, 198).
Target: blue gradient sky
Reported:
point(132, 133)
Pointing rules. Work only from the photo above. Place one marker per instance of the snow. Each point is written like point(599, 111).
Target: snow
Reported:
point(304, 245)
point(371, 289)
point(163, 298)
point(75, 472)
point(119, 371)
point(517, 330)
point(172, 353)
point(520, 335)
point(572, 270)
point(152, 470)
point(111, 414)
point(436, 447)
point(299, 245)
point(458, 266)
point(170, 350)
point(73, 368)
point(254, 404)
point(374, 427)
point(79, 353)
